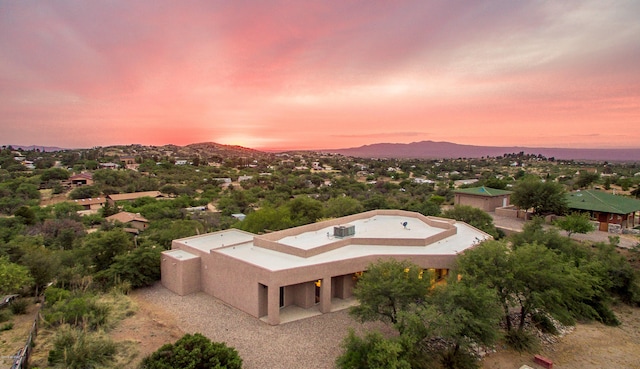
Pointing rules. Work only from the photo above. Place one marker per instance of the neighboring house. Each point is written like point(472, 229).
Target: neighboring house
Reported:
point(314, 266)
point(239, 216)
point(133, 220)
point(135, 195)
point(109, 166)
point(605, 208)
point(464, 182)
point(485, 198)
point(128, 159)
point(92, 203)
point(81, 179)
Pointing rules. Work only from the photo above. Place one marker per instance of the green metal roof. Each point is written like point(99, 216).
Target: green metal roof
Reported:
point(483, 191)
point(602, 201)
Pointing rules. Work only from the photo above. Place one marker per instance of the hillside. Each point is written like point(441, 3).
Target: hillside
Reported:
point(448, 150)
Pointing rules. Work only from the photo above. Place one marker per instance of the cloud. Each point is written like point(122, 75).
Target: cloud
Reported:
point(302, 73)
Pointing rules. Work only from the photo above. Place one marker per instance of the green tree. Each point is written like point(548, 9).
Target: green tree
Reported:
point(341, 206)
point(13, 277)
point(27, 215)
point(193, 351)
point(104, 246)
point(267, 219)
point(543, 197)
point(575, 223)
point(304, 210)
point(387, 288)
point(374, 351)
point(530, 277)
point(42, 263)
point(585, 179)
point(85, 192)
point(140, 267)
point(473, 216)
point(54, 174)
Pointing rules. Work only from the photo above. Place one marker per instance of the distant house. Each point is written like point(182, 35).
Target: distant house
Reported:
point(133, 220)
point(464, 182)
point(181, 162)
point(91, 204)
point(605, 208)
point(134, 196)
point(109, 166)
point(244, 178)
point(485, 198)
point(239, 216)
point(81, 179)
point(128, 159)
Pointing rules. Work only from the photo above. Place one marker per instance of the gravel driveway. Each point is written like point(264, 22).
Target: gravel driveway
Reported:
point(309, 343)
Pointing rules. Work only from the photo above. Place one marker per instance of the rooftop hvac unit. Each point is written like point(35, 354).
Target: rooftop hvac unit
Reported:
point(344, 230)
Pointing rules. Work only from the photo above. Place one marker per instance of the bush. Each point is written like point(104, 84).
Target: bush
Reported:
point(79, 350)
point(82, 312)
point(5, 315)
point(6, 327)
point(193, 351)
point(54, 294)
point(544, 323)
point(521, 340)
point(19, 307)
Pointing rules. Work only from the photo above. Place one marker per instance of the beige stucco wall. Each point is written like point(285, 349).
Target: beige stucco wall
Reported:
point(486, 203)
point(180, 276)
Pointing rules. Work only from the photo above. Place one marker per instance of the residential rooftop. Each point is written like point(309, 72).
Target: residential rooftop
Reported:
point(383, 233)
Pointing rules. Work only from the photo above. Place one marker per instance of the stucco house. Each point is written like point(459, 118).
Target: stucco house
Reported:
point(81, 179)
point(95, 203)
point(314, 266)
point(485, 198)
point(605, 208)
point(134, 196)
point(133, 220)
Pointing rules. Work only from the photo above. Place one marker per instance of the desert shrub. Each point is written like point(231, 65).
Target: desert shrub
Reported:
point(5, 315)
point(521, 340)
point(82, 312)
point(461, 359)
point(76, 349)
point(193, 351)
point(19, 306)
point(544, 323)
point(54, 294)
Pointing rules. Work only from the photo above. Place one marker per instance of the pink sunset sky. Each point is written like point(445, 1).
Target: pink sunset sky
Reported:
point(320, 74)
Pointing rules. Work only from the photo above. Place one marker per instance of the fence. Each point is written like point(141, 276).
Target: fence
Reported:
point(21, 359)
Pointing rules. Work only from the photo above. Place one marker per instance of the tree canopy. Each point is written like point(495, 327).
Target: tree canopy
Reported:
point(543, 197)
point(193, 351)
point(576, 223)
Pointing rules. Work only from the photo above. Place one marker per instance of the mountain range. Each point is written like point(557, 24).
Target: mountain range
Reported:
point(448, 150)
point(419, 150)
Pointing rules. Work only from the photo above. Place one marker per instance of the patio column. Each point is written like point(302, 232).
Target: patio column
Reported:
point(273, 308)
point(325, 295)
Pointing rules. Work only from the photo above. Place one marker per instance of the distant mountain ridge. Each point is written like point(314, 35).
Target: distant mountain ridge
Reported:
point(36, 147)
point(448, 150)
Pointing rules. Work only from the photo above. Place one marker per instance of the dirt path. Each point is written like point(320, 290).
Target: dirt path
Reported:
point(589, 346)
point(151, 327)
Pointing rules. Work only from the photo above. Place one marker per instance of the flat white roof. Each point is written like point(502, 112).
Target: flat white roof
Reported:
point(240, 245)
point(465, 238)
point(180, 254)
point(216, 240)
point(378, 226)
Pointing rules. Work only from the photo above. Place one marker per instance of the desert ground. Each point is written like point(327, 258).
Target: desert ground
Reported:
point(163, 317)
